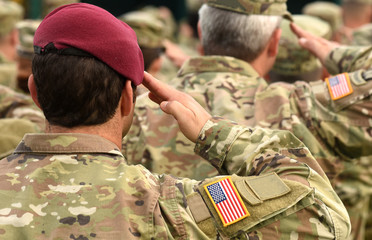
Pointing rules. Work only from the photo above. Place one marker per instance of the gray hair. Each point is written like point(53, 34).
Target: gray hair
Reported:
point(233, 34)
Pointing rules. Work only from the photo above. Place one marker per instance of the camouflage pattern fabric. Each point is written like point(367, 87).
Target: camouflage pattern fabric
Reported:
point(8, 72)
point(362, 36)
point(149, 29)
point(230, 87)
point(259, 7)
point(79, 186)
point(27, 30)
point(348, 59)
point(12, 131)
point(10, 14)
point(17, 105)
point(292, 59)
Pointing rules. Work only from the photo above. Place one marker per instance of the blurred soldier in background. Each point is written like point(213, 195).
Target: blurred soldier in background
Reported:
point(18, 114)
point(10, 14)
point(292, 61)
point(362, 36)
point(50, 5)
point(25, 51)
point(356, 13)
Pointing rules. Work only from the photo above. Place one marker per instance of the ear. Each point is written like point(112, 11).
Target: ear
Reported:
point(14, 37)
point(200, 45)
point(32, 89)
point(126, 99)
point(274, 43)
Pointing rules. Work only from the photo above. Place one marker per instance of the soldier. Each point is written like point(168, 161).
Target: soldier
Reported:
point(18, 114)
point(25, 51)
point(356, 13)
point(293, 62)
point(362, 36)
point(150, 34)
point(229, 82)
point(73, 182)
point(10, 14)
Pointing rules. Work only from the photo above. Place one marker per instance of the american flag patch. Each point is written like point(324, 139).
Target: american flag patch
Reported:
point(339, 86)
point(226, 201)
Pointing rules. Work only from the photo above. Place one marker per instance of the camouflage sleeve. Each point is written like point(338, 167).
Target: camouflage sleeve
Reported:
point(348, 59)
point(244, 151)
point(16, 105)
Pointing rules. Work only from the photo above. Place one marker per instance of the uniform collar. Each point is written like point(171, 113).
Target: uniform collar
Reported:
point(217, 64)
point(66, 143)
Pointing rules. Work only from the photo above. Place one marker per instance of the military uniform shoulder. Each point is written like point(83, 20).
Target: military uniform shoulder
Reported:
point(345, 89)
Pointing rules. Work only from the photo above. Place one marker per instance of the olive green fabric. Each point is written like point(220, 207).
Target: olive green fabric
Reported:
point(11, 132)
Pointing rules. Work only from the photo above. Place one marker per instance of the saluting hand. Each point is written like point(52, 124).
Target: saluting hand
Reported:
point(190, 116)
point(318, 46)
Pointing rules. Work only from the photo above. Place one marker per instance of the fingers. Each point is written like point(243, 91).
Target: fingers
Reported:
point(300, 33)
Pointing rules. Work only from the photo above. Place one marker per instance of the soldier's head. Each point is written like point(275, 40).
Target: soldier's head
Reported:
point(293, 62)
point(150, 32)
point(86, 63)
point(240, 28)
point(356, 12)
point(10, 14)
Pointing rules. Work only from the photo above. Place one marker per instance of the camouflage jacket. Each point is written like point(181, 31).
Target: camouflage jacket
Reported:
point(8, 72)
point(231, 88)
point(79, 186)
point(349, 59)
point(17, 105)
point(18, 115)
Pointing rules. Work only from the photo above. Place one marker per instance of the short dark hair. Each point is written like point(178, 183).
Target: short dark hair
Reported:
point(150, 55)
point(76, 91)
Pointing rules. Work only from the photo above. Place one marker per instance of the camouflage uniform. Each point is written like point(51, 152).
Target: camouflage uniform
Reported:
point(348, 59)
point(232, 88)
point(25, 51)
point(292, 61)
point(18, 115)
point(79, 186)
point(10, 14)
point(362, 36)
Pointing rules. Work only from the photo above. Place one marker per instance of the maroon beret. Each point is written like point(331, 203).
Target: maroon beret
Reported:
point(95, 31)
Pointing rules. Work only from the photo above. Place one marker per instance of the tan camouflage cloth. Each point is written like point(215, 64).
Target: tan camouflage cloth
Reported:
point(8, 72)
point(17, 105)
point(18, 115)
point(336, 132)
point(79, 186)
point(348, 59)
